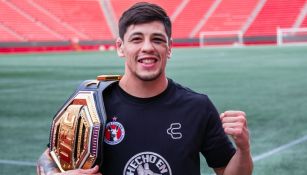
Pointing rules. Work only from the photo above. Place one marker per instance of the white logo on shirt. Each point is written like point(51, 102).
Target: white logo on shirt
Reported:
point(147, 163)
point(173, 131)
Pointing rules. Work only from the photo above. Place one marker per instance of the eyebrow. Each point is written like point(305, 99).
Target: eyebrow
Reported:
point(160, 34)
point(140, 33)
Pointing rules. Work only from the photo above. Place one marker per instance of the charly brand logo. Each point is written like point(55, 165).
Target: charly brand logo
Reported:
point(173, 131)
point(147, 163)
point(114, 132)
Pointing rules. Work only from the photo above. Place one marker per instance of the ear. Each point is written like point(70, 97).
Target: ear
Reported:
point(119, 47)
point(170, 45)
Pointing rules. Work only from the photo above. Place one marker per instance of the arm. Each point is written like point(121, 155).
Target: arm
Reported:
point(46, 166)
point(235, 125)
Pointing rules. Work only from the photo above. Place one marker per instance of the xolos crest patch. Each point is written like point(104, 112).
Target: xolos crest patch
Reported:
point(114, 132)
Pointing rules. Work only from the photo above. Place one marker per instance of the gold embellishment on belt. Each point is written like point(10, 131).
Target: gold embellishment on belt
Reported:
point(75, 133)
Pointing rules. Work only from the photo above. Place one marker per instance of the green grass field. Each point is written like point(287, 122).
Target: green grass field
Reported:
point(268, 83)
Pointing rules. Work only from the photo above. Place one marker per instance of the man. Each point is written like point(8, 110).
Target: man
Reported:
point(164, 126)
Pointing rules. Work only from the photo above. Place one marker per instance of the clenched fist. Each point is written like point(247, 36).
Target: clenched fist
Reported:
point(235, 125)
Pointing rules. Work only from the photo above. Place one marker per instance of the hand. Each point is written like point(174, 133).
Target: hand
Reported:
point(92, 171)
point(235, 125)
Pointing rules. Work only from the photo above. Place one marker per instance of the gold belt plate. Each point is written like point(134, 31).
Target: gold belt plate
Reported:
point(75, 133)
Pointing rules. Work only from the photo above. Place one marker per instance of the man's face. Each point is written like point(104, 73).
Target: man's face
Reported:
point(146, 48)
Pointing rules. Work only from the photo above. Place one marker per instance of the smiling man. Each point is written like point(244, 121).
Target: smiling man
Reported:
point(146, 48)
point(154, 125)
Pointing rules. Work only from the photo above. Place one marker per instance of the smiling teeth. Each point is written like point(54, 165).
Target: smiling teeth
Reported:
point(148, 61)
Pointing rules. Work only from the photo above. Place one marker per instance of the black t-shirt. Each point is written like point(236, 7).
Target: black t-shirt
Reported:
point(163, 134)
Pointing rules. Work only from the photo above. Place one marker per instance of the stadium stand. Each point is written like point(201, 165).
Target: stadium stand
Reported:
point(275, 13)
point(230, 15)
point(91, 24)
point(48, 19)
point(303, 17)
point(186, 21)
point(6, 34)
point(85, 16)
point(304, 23)
point(118, 7)
point(23, 24)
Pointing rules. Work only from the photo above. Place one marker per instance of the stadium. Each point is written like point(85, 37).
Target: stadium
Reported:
point(248, 55)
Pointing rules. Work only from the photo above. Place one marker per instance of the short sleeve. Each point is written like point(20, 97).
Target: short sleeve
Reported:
point(216, 146)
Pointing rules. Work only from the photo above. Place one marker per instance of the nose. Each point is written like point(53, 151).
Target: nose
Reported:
point(147, 46)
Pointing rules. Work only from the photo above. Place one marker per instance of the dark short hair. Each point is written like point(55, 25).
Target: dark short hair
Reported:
point(144, 12)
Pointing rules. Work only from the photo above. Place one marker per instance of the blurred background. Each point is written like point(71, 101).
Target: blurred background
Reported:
point(56, 25)
point(245, 54)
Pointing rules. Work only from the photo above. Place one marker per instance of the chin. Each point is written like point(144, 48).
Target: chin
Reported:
point(149, 77)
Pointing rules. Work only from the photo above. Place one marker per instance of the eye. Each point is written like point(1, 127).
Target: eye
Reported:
point(159, 40)
point(136, 39)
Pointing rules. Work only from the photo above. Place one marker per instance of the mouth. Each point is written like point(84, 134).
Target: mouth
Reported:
point(147, 60)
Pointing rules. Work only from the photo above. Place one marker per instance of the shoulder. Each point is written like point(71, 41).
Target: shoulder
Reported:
point(185, 96)
point(185, 92)
point(111, 90)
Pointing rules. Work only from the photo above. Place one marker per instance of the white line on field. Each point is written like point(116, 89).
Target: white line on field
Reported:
point(280, 148)
point(255, 159)
point(40, 87)
point(15, 162)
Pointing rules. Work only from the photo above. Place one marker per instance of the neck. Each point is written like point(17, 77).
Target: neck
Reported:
point(143, 89)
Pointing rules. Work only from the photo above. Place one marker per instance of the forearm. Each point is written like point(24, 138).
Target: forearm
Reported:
point(235, 125)
point(46, 165)
point(240, 164)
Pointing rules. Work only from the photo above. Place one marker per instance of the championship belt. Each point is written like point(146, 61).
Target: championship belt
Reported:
point(77, 130)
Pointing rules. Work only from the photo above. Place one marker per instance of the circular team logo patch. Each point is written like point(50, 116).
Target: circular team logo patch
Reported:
point(114, 132)
point(147, 163)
